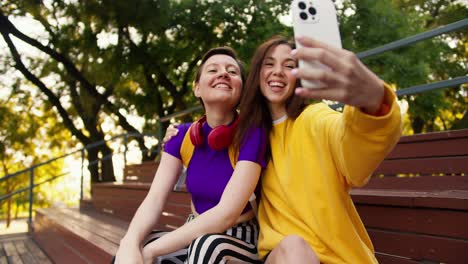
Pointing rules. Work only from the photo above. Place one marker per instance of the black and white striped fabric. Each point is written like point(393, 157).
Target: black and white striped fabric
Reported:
point(177, 257)
point(237, 244)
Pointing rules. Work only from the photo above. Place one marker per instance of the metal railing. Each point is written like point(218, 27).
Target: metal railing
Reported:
point(415, 39)
point(388, 47)
point(31, 170)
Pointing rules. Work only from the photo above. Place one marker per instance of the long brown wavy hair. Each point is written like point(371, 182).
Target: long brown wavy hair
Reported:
point(254, 106)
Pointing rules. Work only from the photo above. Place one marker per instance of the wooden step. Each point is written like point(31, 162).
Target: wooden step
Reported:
point(143, 172)
point(74, 236)
point(408, 225)
point(447, 199)
point(121, 200)
point(19, 248)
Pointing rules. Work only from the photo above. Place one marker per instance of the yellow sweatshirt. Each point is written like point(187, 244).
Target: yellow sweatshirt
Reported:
point(316, 159)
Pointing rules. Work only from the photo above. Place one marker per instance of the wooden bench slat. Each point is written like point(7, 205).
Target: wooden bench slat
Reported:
point(177, 209)
point(457, 200)
point(143, 172)
point(126, 213)
point(424, 183)
point(441, 135)
point(112, 221)
point(430, 148)
point(69, 242)
point(121, 203)
point(53, 245)
point(36, 252)
point(128, 185)
point(447, 223)
point(179, 198)
point(105, 230)
point(169, 223)
point(420, 247)
point(433, 165)
point(75, 232)
point(391, 259)
point(122, 200)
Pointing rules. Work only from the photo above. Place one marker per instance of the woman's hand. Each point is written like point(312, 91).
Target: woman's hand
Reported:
point(128, 254)
point(148, 257)
point(171, 131)
point(349, 81)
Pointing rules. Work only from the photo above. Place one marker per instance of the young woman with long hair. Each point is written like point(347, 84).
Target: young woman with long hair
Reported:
point(222, 226)
point(317, 155)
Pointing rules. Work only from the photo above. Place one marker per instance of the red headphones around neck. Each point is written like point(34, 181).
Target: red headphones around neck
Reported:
point(219, 138)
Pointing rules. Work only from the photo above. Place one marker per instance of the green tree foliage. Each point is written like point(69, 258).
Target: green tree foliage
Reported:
point(113, 59)
point(25, 124)
point(443, 58)
point(370, 24)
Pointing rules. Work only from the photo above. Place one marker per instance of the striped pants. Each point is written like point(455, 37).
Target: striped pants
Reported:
point(237, 244)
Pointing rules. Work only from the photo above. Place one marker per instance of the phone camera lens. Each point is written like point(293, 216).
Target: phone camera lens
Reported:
point(303, 15)
point(302, 5)
point(312, 11)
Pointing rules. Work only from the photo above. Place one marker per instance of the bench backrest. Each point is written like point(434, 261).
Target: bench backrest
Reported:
point(122, 201)
point(441, 153)
point(143, 172)
point(415, 207)
point(417, 163)
point(414, 219)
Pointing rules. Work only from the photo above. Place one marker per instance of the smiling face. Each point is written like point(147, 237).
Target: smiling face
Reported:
point(220, 81)
point(276, 80)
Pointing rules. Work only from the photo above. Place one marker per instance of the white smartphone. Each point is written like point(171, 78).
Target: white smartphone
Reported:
point(315, 19)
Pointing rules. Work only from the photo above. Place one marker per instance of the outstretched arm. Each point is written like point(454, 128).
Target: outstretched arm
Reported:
point(149, 211)
point(366, 132)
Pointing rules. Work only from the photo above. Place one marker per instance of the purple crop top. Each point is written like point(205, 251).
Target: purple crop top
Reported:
point(209, 171)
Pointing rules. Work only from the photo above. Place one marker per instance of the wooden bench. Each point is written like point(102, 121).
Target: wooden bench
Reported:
point(420, 218)
point(143, 172)
point(415, 207)
point(73, 236)
point(414, 219)
point(92, 234)
point(123, 199)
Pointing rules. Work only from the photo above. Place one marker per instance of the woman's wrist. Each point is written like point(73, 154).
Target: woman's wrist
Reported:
point(148, 253)
point(376, 103)
point(129, 242)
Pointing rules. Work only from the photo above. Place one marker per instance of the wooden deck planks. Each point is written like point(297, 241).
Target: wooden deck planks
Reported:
point(19, 249)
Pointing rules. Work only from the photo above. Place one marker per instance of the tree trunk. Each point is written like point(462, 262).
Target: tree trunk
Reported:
point(461, 124)
point(9, 189)
point(107, 167)
point(418, 125)
point(17, 209)
point(93, 164)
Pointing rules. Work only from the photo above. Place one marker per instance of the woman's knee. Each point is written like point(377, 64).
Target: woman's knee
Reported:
point(291, 249)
